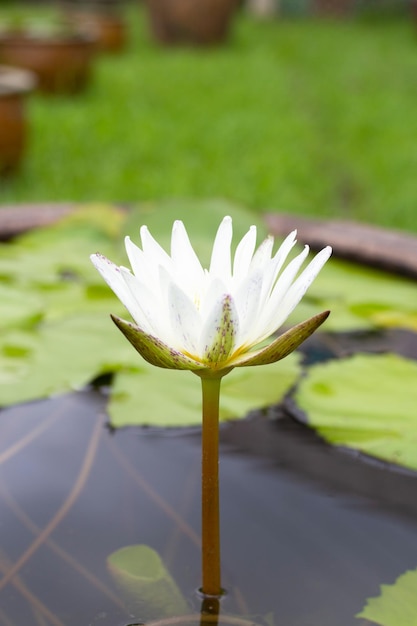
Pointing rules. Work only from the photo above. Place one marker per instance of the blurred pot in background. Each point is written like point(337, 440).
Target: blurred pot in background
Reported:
point(103, 19)
point(15, 84)
point(58, 54)
point(333, 8)
point(196, 22)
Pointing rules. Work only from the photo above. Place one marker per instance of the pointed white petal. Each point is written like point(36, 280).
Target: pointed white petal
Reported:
point(112, 274)
point(247, 301)
point(136, 257)
point(145, 305)
point(220, 264)
point(153, 250)
point(243, 255)
point(184, 319)
point(213, 290)
point(263, 254)
point(297, 290)
point(303, 282)
point(187, 267)
point(272, 269)
point(278, 260)
point(218, 335)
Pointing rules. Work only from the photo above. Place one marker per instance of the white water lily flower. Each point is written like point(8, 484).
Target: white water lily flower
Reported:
point(210, 321)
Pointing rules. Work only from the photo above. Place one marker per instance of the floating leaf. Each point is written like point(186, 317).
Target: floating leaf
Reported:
point(19, 308)
point(56, 312)
point(158, 397)
point(360, 297)
point(61, 356)
point(367, 402)
point(397, 604)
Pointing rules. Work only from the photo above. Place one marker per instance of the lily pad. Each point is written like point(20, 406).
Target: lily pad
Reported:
point(159, 397)
point(397, 604)
point(366, 402)
point(361, 297)
point(59, 335)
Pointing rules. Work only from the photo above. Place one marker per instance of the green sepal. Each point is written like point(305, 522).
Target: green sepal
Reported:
point(284, 344)
point(154, 350)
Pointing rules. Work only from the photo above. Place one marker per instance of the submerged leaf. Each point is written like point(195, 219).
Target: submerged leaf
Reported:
point(366, 402)
point(145, 583)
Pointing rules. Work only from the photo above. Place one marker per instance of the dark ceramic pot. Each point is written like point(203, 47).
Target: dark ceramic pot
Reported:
point(62, 63)
point(15, 84)
point(196, 22)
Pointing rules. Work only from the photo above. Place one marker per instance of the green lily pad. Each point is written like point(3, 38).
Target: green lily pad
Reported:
point(159, 397)
point(61, 356)
point(19, 308)
point(366, 402)
point(360, 297)
point(59, 336)
point(60, 253)
point(397, 604)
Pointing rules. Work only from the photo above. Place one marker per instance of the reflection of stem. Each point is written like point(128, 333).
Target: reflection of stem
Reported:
point(19, 445)
point(153, 494)
point(31, 598)
point(210, 607)
point(61, 513)
point(210, 488)
point(30, 525)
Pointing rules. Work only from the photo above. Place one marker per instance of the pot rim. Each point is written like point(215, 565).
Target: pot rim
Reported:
point(231, 620)
point(15, 38)
point(16, 80)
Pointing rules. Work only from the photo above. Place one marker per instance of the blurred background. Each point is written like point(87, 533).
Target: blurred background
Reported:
point(308, 107)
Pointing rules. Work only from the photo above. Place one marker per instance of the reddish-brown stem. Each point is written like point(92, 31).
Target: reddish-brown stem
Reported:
point(210, 488)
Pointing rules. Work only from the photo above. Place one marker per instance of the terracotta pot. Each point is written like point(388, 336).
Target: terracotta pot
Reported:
point(333, 8)
point(14, 85)
point(62, 64)
point(108, 28)
point(198, 22)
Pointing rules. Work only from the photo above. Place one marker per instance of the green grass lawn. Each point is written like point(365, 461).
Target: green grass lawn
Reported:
point(302, 116)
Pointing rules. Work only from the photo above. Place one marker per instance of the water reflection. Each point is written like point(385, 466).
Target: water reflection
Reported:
point(308, 532)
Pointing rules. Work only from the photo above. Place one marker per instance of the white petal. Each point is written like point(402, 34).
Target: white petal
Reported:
point(185, 320)
point(297, 291)
point(263, 254)
point(303, 282)
point(271, 309)
point(187, 267)
point(145, 305)
point(243, 255)
point(273, 268)
point(247, 301)
point(153, 250)
point(136, 257)
point(220, 264)
point(112, 274)
point(217, 340)
point(214, 289)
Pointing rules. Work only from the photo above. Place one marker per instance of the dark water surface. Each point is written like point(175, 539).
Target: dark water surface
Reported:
point(308, 532)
